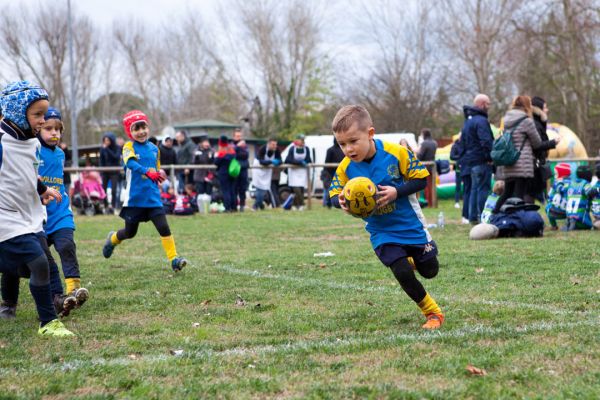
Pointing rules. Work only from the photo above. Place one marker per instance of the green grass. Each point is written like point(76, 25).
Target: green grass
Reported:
point(525, 310)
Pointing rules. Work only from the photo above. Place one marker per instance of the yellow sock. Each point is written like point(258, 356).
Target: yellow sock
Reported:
point(72, 284)
point(411, 261)
point(168, 243)
point(114, 240)
point(429, 306)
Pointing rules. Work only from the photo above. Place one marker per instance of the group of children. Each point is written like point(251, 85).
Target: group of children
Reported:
point(32, 176)
point(179, 204)
point(575, 200)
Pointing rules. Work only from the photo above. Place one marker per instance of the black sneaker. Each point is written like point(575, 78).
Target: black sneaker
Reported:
point(81, 296)
point(8, 311)
point(63, 304)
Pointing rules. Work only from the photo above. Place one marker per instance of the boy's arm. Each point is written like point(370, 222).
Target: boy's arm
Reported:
point(337, 185)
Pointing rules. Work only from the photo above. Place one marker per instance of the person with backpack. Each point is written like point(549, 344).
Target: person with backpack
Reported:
point(223, 160)
point(518, 123)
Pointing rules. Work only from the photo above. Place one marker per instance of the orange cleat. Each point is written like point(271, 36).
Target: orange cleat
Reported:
point(434, 321)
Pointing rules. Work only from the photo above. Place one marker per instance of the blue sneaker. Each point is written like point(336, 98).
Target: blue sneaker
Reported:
point(178, 263)
point(108, 248)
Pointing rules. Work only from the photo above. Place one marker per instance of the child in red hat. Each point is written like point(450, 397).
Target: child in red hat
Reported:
point(142, 202)
point(556, 207)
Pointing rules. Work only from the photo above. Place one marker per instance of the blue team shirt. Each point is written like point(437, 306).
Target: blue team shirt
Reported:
point(402, 221)
point(578, 201)
point(140, 191)
point(490, 203)
point(51, 171)
point(557, 197)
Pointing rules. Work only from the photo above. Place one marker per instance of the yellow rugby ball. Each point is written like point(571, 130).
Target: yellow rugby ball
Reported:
point(360, 196)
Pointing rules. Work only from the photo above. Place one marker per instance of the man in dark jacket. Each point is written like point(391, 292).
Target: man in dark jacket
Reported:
point(203, 177)
point(168, 156)
point(185, 154)
point(110, 156)
point(478, 140)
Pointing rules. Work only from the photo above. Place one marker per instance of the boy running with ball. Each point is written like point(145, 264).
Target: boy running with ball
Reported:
point(397, 227)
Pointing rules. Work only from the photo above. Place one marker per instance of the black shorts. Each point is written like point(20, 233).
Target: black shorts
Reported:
point(18, 251)
point(389, 253)
point(134, 215)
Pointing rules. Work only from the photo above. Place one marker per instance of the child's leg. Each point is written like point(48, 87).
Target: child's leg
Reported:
point(168, 242)
point(9, 284)
point(56, 287)
point(115, 238)
point(404, 273)
point(65, 246)
point(39, 285)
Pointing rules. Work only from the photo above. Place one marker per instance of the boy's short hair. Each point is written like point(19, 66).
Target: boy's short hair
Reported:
point(584, 172)
point(57, 124)
point(498, 188)
point(348, 115)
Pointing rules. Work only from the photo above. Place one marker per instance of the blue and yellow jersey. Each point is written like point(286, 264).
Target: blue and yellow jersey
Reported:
point(596, 202)
point(490, 203)
point(557, 196)
point(399, 222)
point(51, 172)
point(578, 200)
point(140, 191)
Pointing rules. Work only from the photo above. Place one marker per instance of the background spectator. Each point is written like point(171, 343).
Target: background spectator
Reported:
point(110, 156)
point(477, 139)
point(299, 155)
point(204, 155)
point(426, 152)
point(541, 172)
point(241, 154)
point(267, 155)
point(185, 155)
point(334, 155)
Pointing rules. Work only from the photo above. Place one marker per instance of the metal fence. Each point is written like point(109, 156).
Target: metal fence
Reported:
point(311, 176)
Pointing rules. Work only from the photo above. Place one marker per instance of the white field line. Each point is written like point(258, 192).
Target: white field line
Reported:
point(387, 289)
point(378, 340)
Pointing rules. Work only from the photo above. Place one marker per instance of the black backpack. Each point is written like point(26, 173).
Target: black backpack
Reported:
point(503, 150)
point(456, 151)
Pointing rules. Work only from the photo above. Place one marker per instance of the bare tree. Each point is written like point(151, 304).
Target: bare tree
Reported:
point(477, 36)
point(278, 43)
point(41, 54)
point(403, 87)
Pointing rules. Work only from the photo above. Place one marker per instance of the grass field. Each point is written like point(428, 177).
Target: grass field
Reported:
point(336, 327)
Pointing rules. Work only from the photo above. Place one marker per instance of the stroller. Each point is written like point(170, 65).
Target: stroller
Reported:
point(88, 194)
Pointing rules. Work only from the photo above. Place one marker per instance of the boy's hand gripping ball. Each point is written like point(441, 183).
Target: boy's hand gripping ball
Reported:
point(361, 197)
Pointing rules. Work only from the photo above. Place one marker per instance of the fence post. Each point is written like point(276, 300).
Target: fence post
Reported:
point(309, 187)
point(434, 197)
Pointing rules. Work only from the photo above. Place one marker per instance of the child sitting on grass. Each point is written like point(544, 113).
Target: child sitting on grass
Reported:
point(596, 200)
point(397, 228)
point(556, 207)
point(490, 202)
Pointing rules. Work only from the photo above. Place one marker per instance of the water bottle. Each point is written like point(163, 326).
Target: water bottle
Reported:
point(441, 221)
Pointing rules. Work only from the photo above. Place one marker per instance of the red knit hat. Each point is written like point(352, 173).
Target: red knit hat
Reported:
point(131, 118)
point(562, 170)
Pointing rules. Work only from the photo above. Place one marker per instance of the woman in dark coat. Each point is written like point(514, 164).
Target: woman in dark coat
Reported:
point(541, 172)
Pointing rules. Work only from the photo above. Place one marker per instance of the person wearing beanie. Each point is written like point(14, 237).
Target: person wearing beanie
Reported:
point(24, 105)
point(224, 157)
point(241, 155)
point(579, 197)
point(143, 202)
point(541, 174)
point(556, 206)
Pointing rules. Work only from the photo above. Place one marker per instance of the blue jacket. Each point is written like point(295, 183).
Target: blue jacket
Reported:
point(477, 137)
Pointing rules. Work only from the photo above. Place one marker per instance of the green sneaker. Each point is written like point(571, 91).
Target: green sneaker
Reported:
point(54, 328)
